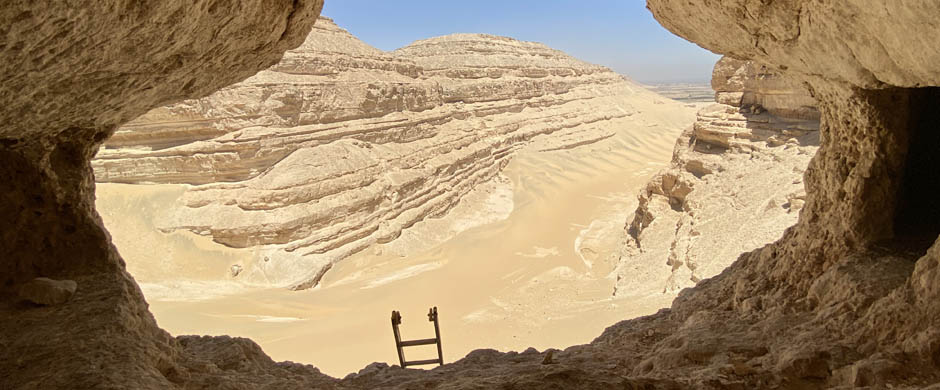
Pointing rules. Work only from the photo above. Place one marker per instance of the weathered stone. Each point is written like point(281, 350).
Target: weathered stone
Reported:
point(733, 174)
point(72, 73)
point(864, 43)
point(45, 291)
point(748, 84)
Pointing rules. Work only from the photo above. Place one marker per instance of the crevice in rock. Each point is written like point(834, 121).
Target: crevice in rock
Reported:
point(917, 211)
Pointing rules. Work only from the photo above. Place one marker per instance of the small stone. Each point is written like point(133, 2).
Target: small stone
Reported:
point(742, 369)
point(236, 269)
point(374, 367)
point(548, 357)
point(45, 291)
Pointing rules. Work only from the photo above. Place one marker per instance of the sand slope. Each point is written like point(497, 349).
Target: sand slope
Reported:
point(531, 261)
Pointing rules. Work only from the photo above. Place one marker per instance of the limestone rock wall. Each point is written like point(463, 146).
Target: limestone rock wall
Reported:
point(235, 134)
point(833, 289)
point(853, 42)
point(72, 73)
point(735, 183)
point(340, 145)
point(748, 84)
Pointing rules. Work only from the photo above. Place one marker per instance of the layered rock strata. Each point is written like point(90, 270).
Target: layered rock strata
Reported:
point(735, 182)
point(341, 146)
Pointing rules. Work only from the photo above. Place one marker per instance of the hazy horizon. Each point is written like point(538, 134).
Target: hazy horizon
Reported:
point(610, 33)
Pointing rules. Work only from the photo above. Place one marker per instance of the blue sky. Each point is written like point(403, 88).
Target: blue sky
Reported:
point(620, 34)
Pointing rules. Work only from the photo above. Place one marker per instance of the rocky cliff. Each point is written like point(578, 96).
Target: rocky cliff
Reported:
point(735, 182)
point(72, 73)
point(341, 146)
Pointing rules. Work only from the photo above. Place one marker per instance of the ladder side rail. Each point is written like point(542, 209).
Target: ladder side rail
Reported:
point(396, 319)
point(437, 335)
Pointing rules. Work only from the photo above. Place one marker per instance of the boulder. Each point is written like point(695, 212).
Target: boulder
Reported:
point(48, 292)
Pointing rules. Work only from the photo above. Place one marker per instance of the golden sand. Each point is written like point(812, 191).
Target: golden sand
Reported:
point(539, 277)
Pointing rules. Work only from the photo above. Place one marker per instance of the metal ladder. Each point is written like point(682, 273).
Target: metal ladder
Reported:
point(400, 345)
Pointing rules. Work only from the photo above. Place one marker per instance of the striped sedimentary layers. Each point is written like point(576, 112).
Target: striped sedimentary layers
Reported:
point(341, 145)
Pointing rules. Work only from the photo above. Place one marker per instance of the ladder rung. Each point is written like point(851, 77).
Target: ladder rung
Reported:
point(418, 342)
point(422, 362)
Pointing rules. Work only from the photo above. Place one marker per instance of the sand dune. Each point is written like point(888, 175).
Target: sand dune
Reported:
point(520, 279)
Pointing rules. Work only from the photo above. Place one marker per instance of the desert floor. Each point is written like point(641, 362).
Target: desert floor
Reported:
point(534, 270)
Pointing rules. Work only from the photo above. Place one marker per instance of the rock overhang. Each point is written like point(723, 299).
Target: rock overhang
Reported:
point(98, 64)
point(862, 43)
point(73, 72)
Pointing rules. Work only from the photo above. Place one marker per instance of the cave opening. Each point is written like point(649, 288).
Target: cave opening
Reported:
point(276, 255)
point(917, 210)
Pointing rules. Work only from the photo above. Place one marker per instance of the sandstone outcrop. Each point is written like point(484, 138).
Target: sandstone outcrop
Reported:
point(737, 172)
point(341, 146)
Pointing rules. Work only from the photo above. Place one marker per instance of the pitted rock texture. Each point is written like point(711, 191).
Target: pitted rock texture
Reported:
point(341, 146)
point(45, 291)
point(72, 73)
point(853, 42)
point(845, 292)
point(737, 172)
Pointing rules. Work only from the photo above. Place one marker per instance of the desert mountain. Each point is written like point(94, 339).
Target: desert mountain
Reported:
point(341, 146)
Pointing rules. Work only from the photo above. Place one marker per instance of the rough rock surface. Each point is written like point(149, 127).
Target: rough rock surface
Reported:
point(45, 291)
point(737, 172)
point(856, 43)
point(341, 145)
point(72, 73)
point(748, 84)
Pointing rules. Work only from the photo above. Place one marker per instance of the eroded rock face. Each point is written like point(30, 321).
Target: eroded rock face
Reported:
point(45, 291)
point(735, 183)
point(73, 72)
point(855, 43)
point(341, 146)
point(832, 290)
point(748, 84)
